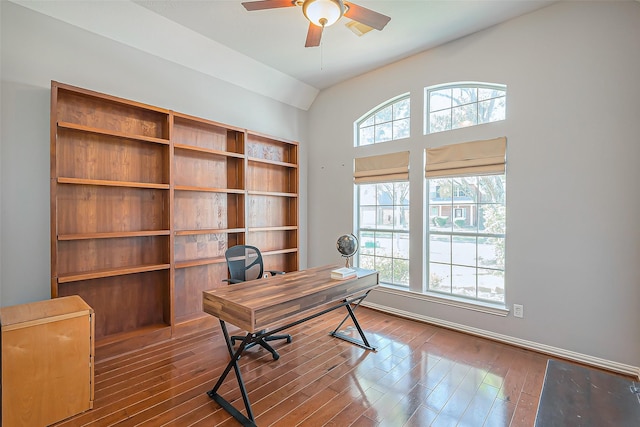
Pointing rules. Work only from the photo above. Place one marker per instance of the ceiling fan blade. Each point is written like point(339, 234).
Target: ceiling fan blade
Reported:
point(366, 16)
point(267, 4)
point(313, 36)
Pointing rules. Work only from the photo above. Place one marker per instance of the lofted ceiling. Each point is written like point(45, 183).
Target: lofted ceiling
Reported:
point(264, 50)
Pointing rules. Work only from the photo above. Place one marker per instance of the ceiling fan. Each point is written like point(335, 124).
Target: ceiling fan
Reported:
point(323, 13)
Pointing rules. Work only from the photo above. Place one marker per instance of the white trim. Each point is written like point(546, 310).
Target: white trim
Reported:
point(529, 345)
point(482, 307)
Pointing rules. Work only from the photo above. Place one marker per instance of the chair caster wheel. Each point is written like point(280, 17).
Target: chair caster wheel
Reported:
point(276, 356)
point(288, 340)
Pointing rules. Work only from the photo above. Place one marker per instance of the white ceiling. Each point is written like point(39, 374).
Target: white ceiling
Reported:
point(276, 37)
point(264, 50)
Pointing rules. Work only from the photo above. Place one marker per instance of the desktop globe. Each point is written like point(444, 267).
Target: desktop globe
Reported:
point(347, 246)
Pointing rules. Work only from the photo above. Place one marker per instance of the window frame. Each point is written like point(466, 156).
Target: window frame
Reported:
point(358, 124)
point(460, 85)
point(452, 233)
point(392, 230)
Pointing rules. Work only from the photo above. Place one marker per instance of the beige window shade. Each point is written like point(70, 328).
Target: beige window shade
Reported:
point(384, 168)
point(470, 158)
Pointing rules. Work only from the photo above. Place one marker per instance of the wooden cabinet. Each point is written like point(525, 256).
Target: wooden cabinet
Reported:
point(47, 361)
point(144, 203)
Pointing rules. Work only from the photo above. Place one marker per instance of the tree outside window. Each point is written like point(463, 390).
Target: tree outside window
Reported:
point(459, 105)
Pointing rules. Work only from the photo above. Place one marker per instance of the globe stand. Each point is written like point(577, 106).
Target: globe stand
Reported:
point(348, 263)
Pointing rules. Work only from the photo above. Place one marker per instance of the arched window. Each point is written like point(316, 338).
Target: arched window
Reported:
point(386, 122)
point(458, 105)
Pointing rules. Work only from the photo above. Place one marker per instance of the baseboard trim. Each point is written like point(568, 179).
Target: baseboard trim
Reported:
point(529, 345)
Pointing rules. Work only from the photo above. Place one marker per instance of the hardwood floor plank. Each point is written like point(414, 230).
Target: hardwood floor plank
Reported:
point(420, 375)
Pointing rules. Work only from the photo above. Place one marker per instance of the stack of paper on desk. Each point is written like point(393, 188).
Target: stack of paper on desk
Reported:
point(343, 273)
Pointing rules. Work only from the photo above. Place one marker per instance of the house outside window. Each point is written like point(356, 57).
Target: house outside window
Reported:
point(467, 254)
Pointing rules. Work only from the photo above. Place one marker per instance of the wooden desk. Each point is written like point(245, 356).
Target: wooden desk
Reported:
point(280, 302)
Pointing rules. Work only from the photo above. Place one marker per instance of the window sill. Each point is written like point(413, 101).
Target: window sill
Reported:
point(483, 307)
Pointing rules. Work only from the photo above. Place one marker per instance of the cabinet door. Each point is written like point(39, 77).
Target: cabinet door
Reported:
point(46, 372)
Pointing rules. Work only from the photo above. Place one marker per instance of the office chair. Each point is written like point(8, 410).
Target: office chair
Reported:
point(245, 263)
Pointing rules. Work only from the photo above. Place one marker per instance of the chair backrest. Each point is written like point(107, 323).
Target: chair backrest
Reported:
point(244, 263)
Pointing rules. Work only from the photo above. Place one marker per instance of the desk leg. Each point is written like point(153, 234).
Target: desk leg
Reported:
point(233, 363)
point(364, 343)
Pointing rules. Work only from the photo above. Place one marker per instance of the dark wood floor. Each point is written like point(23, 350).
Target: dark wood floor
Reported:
point(420, 375)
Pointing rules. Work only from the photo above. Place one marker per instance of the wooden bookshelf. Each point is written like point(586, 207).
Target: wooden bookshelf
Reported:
point(144, 203)
point(272, 197)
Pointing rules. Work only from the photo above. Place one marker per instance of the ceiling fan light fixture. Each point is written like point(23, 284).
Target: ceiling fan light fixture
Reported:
point(323, 13)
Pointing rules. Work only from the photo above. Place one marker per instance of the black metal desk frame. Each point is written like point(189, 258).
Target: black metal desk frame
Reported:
point(249, 420)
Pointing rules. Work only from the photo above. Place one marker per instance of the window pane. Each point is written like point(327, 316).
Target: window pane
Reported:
point(487, 93)
point(401, 246)
point(463, 250)
point(440, 189)
point(384, 244)
point(367, 136)
point(401, 129)
point(368, 122)
point(464, 189)
point(464, 95)
point(368, 217)
point(491, 285)
point(463, 281)
point(367, 243)
point(367, 262)
point(385, 217)
point(401, 218)
point(401, 109)
point(439, 100)
point(463, 116)
point(401, 272)
point(440, 248)
point(385, 193)
point(440, 121)
point(491, 252)
point(367, 194)
point(384, 115)
point(384, 132)
point(492, 219)
point(491, 110)
point(491, 189)
point(385, 269)
point(439, 277)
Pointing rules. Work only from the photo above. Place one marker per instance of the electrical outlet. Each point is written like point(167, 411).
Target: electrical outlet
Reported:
point(518, 310)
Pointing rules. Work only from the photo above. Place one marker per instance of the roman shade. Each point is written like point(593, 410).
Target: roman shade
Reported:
point(383, 168)
point(485, 157)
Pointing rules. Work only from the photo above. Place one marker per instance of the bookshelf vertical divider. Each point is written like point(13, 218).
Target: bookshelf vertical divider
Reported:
point(144, 203)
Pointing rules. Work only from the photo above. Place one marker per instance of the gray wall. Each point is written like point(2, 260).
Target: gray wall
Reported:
point(573, 204)
point(37, 49)
point(572, 125)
